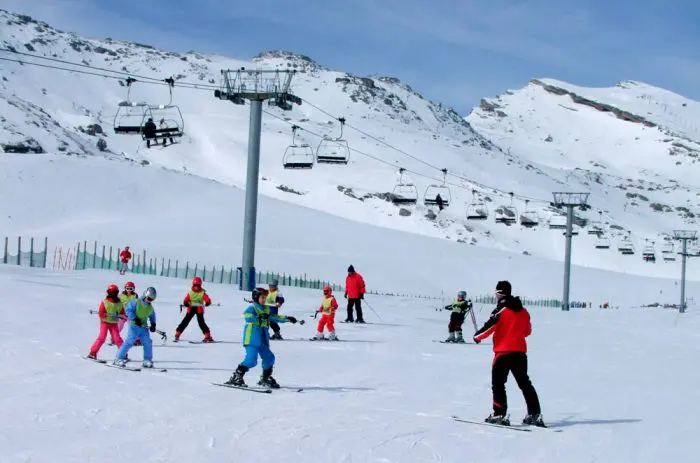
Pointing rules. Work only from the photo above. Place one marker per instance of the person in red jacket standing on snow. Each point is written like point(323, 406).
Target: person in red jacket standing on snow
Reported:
point(510, 325)
point(124, 257)
point(354, 293)
point(111, 309)
point(327, 311)
point(195, 301)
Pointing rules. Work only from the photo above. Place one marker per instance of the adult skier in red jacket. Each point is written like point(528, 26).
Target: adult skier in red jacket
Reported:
point(354, 293)
point(124, 257)
point(510, 325)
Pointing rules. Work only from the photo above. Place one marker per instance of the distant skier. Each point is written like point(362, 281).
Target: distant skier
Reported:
point(256, 340)
point(149, 132)
point(354, 293)
point(274, 301)
point(195, 301)
point(124, 257)
point(125, 297)
point(440, 202)
point(460, 308)
point(137, 311)
point(111, 308)
point(327, 310)
point(510, 325)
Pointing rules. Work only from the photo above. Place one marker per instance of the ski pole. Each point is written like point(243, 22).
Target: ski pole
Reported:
point(372, 309)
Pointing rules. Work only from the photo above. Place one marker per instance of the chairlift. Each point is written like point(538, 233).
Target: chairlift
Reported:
point(648, 252)
point(557, 222)
point(333, 150)
point(298, 156)
point(477, 210)
point(433, 191)
point(404, 193)
point(130, 114)
point(506, 214)
point(625, 246)
point(167, 117)
point(602, 242)
point(529, 218)
point(667, 252)
point(597, 228)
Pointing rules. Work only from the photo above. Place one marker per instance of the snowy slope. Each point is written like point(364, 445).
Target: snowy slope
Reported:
point(64, 112)
point(611, 381)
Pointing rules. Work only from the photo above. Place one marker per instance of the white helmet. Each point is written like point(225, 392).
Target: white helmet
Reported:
point(150, 293)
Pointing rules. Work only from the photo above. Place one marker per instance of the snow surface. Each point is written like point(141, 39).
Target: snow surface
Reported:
point(53, 106)
point(615, 382)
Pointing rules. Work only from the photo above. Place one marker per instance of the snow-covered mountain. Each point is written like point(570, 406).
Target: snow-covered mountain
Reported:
point(529, 143)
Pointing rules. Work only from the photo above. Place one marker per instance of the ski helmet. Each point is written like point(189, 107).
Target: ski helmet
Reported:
point(129, 286)
point(257, 292)
point(462, 294)
point(274, 283)
point(112, 289)
point(327, 290)
point(196, 281)
point(150, 293)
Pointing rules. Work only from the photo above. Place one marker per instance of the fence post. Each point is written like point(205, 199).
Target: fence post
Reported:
point(222, 275)
point(168, 275)
point(4, 254)
point(102, 264)
point(19, 250)
point(94, 256)
point(177, 268)
point(187, 269)
point(31, 251)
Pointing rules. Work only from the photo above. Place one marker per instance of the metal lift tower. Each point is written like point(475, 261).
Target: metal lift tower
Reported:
point(570, 201)
point(256, 86)
point(684, 236)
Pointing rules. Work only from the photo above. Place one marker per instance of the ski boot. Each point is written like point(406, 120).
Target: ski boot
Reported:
point(332, 336)
point(237, 377)
point(266, 379)
point(360, 321)
point(318, 336)
point(119, 362)
point(208, 338)
point(459, 339)
point(147, 364)
point(534, 419)
point(92, 355)
point(498, 419)
point(451, 338)
point(177, 336)
point(277, 336)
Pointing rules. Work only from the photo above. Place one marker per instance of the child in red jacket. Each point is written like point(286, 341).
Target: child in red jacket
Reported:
point(111, 309)
point(195, 301)
point(328, 307)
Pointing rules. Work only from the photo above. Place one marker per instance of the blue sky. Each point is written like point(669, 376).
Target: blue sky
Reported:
point(453, 51)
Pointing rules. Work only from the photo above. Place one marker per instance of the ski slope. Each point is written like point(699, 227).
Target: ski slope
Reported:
point(613, 381)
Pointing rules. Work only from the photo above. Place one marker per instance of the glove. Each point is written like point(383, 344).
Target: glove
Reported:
point(292, 319)
point(476, 340)
point(207, 304)
point(345, 295)
point(138, 321)
point(153, 328)
point(362, 296)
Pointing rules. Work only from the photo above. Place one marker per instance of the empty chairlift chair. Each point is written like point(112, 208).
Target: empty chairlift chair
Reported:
point(529, 218)
point(130, 115)
point(168, 120)
point(507, 215)
point(668, 253)
point(404, 192)
point(649, 252)
point(597, 228)
point(298, 156)
point(602, 242)
point(557, 222)
point(477, 210)
point(333, 150)
point(430, 198)
point(625, 246)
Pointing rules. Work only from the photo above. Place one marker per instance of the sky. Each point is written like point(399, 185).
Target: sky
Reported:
point(452, 51)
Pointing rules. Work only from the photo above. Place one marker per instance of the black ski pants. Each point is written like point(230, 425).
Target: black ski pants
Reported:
point(456, 321)
point(516, 363)
point(355, 303)
point(275, 327)
point(191, 312)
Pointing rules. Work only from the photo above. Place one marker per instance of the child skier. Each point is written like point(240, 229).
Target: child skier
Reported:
point(274, 301)
point(126, 296)
point(137, 311)
point(460, 308)
point(111, 308)
point(327, 310)
point(195, 301)
point(256, 341)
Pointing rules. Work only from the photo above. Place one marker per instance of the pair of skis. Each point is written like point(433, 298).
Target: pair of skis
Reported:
point(111, 365)
point(521, 428)
point(258, 389)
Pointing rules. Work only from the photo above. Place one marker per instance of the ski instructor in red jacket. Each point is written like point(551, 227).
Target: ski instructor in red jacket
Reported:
point(510, 325)
point(354, 293)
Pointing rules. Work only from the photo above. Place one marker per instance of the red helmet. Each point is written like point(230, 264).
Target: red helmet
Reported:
point(112, 289)
point(327, 290)
point(196, 281)
point(129, 286)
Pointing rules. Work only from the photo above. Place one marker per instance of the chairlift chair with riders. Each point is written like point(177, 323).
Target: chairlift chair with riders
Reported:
point(477, 210)
point(167, 118)
point(529, 218)
point(298, 156)
point(649, 252)
point(333, 150)
point(506, 214)
point(404, 192)
point(433, 190)
point(130, 115)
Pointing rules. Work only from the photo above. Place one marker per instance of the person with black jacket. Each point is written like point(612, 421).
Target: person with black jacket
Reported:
point(510, 325)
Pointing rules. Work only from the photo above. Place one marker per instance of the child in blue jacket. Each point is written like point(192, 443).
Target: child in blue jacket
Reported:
point(256, 340)
point(137, 311)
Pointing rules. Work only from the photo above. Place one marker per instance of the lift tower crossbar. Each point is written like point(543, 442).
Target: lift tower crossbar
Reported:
point(255, 86)
point(570, 201)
